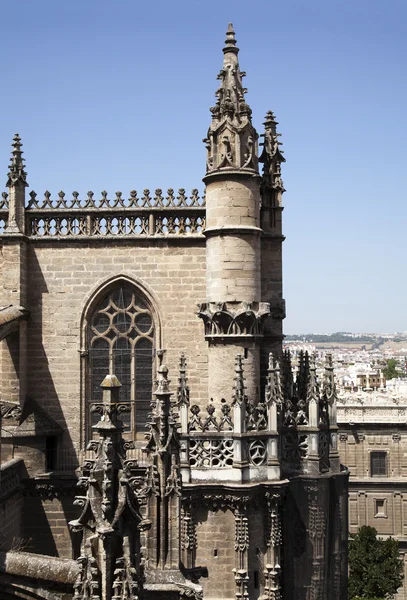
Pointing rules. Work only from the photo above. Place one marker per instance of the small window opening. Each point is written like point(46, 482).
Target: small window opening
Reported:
point(256, 580)
point(215, 552)
point(378, 466)
point(246, 353)
point(51, 449)
point(380, 508)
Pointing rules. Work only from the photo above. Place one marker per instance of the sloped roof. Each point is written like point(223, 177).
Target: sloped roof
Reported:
point(33, 422)
point(9, 318)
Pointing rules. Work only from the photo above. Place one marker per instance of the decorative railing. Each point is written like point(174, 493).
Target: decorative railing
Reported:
point(148, 215)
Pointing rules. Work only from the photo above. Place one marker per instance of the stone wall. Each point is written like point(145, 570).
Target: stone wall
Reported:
point(215, 532)
point(11, 504)
point(10, 518)
point(63, 278)
point(378, 501)
point(45, 526)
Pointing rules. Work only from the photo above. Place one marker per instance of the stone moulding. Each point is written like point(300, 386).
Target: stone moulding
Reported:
point(228, 319)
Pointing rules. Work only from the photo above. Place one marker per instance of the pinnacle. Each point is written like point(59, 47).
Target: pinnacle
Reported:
point(16, 172)
point(16, 142)
point(270, 118)
point(230, 42)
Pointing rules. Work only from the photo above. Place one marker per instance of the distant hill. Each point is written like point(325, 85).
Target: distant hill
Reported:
point(339, 337)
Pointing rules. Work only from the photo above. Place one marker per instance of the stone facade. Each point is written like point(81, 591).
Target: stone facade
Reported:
point(225, 482)
point(373, 444)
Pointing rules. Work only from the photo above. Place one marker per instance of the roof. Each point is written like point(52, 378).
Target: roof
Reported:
point(9, 318)
point(33, 421)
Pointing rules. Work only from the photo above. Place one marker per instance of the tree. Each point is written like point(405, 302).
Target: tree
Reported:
point(375, 566)
point(390, 370)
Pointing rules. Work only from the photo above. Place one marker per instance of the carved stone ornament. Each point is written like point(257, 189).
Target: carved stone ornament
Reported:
point(219, 500)
point(47, 490)
point(233, 318)
point(211, 422)
point(16, 174)
point(109, 508)
point(231, 142)
point(272, 157)
point(10, 410)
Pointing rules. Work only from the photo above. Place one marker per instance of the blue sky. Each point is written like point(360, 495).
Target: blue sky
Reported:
point(115, 95)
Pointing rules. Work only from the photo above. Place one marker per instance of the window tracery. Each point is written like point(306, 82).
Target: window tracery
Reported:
point(121, 341)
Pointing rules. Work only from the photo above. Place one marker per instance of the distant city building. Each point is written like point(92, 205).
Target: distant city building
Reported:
point(373, 444)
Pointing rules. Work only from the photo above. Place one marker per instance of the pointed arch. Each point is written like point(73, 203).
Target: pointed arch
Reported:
point(121, 334)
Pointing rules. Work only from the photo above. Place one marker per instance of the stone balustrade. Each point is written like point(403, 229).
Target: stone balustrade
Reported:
point(153, 214)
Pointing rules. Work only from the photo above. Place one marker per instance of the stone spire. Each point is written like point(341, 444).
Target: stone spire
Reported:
point(232, 140)
point(272, 185)
point(16, 174)
point(16, 183)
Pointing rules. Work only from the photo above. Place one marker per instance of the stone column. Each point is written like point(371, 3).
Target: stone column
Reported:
point(233, 282)
point(241, 571)
point(273, 538)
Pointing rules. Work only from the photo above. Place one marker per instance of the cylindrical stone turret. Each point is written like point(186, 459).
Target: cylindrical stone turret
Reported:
point(233, 310)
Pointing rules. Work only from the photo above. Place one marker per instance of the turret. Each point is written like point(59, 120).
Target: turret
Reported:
point(233, 312)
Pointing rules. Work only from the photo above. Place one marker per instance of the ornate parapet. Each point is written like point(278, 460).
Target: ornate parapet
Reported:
point(307, 421)
point(229, 320)
point(293, 428)
point(237, 441)
point(111, 218)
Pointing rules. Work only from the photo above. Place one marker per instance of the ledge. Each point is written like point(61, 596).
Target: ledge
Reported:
point(37, 566)
point(231, 173)
point(237, 229)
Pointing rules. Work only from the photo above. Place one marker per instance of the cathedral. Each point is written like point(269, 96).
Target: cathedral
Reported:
point(156, 442)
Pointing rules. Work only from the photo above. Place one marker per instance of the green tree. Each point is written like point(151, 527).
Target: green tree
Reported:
point(375, 567)
point(390, 370)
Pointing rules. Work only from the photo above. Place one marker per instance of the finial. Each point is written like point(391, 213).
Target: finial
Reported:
point(230, 42)
point(238, 396)
point(271, 387)
point(16, 172)
point(288, 380)
point(162, 382)
point(312, 386)
point(303, 375)
point(183, 389)
point(329, 388)
point(109, 409)
point(272, 157)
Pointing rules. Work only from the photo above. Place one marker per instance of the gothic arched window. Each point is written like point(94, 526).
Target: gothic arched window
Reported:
point(121, 342)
